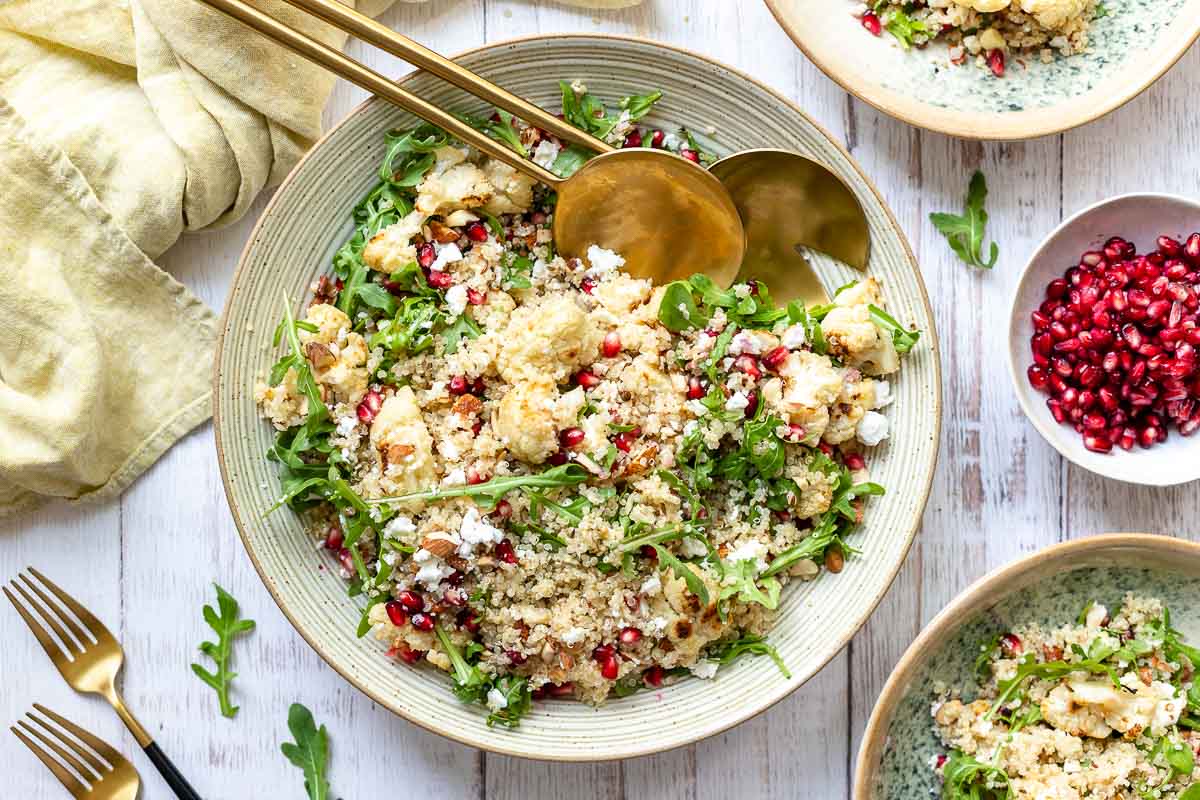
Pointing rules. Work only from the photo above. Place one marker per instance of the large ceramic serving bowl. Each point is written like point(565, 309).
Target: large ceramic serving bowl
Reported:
point(1048, 587)
point(1130, 48)
point(309, 218)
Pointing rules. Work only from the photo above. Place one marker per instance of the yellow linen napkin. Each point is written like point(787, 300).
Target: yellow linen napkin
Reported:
point(124, 123)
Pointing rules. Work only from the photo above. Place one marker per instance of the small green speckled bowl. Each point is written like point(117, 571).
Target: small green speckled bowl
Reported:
point(1131, 47)
point(1048, 587)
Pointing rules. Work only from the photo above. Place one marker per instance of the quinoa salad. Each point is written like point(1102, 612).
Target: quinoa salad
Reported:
point(547, 477)
point(987, 33)
point(1103, 709)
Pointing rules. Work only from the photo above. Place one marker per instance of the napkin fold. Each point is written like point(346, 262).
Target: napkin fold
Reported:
point(123, 124)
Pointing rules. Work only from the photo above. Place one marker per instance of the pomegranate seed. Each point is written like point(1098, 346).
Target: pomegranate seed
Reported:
point(1057, 288)
point(586, 379)
point(1011, 643)
point(773, 360)
point(503, 509)
point(560, 689)
point(941, 761)
point(630, 636)
point(440, 280)
point(657, 138)
point(334, 537)
point(748, 364)
point(505, 552)
point(426, 255)
point(1169, 246)
point(871, 22)
point(633, 139)
point(695, 391)
point(477, 232)
point(751, 404)
point(371, 403)
point(557, 459)
point(475, 297)
point(515, 658)
point(410, 656)
point(625, 439)
point(611, 345)
point(995, 62)
point(855, 461)
point(411, 601)
point(1191, 249)
point(1097, 443)
point(653, 677)
point(690, 155)
point(571, 437)
point(475, 477)
point(458, 384)
point(396, 613)
point(587, 285)
point(422, 621)
point(470, 622)
point(604, 652)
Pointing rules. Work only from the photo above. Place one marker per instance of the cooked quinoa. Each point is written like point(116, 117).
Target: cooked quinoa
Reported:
point(550, 478)
point(987, 32)
point(1103, 709)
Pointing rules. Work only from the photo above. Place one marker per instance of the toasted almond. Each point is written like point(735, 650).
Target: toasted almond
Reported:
point(834, 560)
point(565, 660)
point(437, 545)
point(441, 233)
point(641, 462)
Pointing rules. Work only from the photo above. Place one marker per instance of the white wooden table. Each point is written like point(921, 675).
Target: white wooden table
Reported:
point(144, 564)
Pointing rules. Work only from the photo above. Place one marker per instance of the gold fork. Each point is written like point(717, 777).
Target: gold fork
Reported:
point(105, 773)
point(88, 658)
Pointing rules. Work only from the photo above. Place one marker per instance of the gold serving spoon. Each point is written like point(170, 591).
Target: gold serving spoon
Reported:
point(788, 203)
point(667, 216)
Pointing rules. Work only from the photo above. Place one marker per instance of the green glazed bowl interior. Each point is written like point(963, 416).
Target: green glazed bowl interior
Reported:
point(309, 218)
point(1049, 588)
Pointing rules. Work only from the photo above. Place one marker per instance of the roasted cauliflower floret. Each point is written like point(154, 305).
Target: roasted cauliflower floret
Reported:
point(622, 294)
point(1053, 14)
point(338, 355)
point(392, 249)
point(532, 413)
point(858, 341)
point(549, 339)
point(404, 445)
point(454, 183)
point(512, 192)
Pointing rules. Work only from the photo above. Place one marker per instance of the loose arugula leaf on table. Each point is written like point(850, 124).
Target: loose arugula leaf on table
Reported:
point(967, 778)
point(728, 652)
point(225, 621)
point(965, 233)
point(310, 751)
point(487, 494)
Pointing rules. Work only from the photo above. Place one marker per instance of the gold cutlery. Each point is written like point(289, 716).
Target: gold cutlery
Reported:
point(667, 216)
point(87, 656)
point(105, 773)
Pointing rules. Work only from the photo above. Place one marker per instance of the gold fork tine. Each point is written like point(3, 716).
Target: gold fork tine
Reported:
point(69, 781)
point(89, 775)
point(48, 644)
point(83, 639)
point(95, 627)
point(72, 646)
point(95, 742)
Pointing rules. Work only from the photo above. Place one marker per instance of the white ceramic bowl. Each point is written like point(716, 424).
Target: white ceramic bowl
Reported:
point(308, 219)
point(1138, 218)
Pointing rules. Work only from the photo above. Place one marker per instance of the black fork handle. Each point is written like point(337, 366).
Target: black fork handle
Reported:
point(183, 790)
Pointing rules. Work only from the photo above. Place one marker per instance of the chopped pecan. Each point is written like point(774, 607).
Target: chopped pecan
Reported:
point(319, 355)
point(442, 233)
point(834, 560)
point(467, 405)
point(1052, 652)
point(642, 462)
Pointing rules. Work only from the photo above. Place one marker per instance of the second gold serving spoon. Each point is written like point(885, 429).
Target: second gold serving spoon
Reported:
point(667, 216)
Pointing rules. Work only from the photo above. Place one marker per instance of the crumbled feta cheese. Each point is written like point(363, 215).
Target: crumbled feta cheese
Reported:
point(752, 550)
point(449, 450)
point(1095, 615)
point(872, 428)
point(574, 636)
point(456, 299)
point(496, 700)
point(745, 342)
point(651, 586)
point(578, 86)
point(546, 153)
point(476, 530)
point(346, 425)
point(456, 477)
point(657, 625)
point(447, 254)
point(692, 548)
point(672, 142)
point(705, 670)
point(741, 289)
point(433, 570)
point(603, 262)
point(794, 337)
point(883, 394)
point(737, 401)
point(399, 525)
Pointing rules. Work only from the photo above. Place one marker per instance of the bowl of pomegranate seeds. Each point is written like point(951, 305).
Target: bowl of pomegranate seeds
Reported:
point(1104, 339)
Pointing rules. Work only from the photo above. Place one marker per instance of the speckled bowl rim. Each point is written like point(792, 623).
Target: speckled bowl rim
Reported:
point(990, 126)
point(1018, 352)
point(987, 590)
point(496, 744)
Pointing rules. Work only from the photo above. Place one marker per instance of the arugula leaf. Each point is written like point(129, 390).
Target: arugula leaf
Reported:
point(657, 536)
point(569, 160)
point(905, 28)
point(502, 130)
point(462, 327)
point(678, 311)
point(965, 233)
point(295, 360)
point(1191, 793)
point(489, 493)
point(1047, 670)
point(740, 579)
point(517, 270)
point(518, 698)
point(983, 662)
point(729, 651)
point(224, 620)
point(839, 520)
point(310, 752)
point(695, 585)
point(967, 778)
point(903, 338)
point(471, 684)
